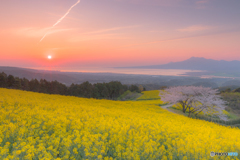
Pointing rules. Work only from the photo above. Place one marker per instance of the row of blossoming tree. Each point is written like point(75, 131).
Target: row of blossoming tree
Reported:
point(195, 100)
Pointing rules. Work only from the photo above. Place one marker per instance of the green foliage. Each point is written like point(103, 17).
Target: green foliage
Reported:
point(233, 100)
point(10, 81)
point(226, 90)
point(128, 95)
point(163, 104)
point(3, 80)
point(135, 88)
point(111, 90)
point(237, 90)
point(233, 123)
point(34, 85)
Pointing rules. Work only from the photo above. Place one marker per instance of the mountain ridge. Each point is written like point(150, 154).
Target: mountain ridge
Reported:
point(197, 63)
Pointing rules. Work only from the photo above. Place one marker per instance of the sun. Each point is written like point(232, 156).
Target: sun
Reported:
point(49, 57)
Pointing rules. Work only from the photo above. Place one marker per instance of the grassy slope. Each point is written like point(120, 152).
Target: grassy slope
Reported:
point(35, 126)
point(149, 95)
point(129, 96)
point(233, 100)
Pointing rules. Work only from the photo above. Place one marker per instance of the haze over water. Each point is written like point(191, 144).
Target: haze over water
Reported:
point(166, 72)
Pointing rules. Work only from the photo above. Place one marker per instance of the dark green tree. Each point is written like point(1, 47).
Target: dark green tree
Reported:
point(134, 88)
point(17, 83)
point(25, 84)
point(102, 90)
point(72, 90)
point(85, 89)
point(34, 85)
point(44, 86)
point(95, 92)
point(3, 80)
point(236, 90)
point(10, 81)
point(115, 89)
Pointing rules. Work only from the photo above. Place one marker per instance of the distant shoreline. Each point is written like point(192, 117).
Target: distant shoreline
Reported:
point(138, 71)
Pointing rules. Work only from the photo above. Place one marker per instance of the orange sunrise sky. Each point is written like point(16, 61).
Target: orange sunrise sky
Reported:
point(115, 33)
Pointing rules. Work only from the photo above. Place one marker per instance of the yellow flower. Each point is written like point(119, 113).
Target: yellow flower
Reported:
point(47, 126)
point(75, 151)
point(18, 152)
point(99, 156)
point(184, 158)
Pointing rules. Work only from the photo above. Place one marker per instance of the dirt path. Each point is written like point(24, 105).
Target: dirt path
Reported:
point(169, 105)
point(222, 117)
point(166, 106)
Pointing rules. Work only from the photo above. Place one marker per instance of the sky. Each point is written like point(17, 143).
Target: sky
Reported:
point(116, 33)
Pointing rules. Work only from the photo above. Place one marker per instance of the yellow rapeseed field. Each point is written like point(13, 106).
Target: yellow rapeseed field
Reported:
point(149, 95)
point(40, 127)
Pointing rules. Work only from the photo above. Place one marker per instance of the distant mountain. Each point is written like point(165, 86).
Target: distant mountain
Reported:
point(197, 63)
point(206, 84)
point(231, 83)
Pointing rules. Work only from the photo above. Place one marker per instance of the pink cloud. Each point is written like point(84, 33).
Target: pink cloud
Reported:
point(202, 2)
point(36, 32)
point(111, 29)
point(195, 28)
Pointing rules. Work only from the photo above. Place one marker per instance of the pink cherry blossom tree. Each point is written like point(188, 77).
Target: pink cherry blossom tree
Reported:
point(194, 99)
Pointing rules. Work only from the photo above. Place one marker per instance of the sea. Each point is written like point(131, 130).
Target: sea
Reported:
point(139, 71)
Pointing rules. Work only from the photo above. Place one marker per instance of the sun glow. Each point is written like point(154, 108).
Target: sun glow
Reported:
point(49, 57)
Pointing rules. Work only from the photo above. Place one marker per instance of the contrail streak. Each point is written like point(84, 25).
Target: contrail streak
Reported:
point(43, 37)
point(61, 19)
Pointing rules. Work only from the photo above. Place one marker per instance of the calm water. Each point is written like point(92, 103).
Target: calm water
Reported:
point(168, 72)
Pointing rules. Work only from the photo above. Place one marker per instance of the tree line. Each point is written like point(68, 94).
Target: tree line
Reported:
point(111, 90)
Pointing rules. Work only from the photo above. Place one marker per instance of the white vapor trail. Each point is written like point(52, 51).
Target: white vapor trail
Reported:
point(61, 19)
